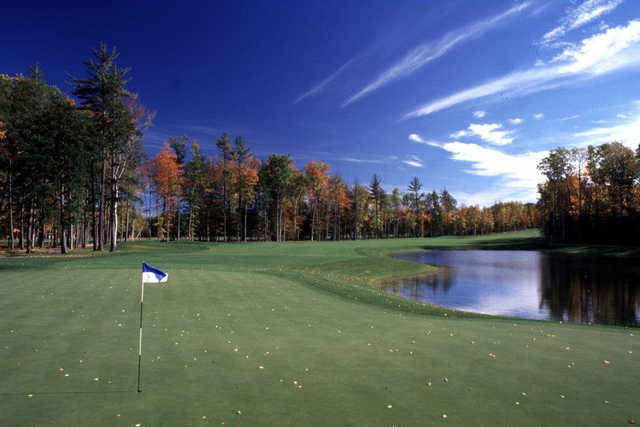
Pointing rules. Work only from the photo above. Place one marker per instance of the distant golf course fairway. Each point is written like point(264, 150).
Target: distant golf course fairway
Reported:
point(290, 334)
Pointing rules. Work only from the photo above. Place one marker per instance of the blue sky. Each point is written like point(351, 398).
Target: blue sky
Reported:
point(466, 95)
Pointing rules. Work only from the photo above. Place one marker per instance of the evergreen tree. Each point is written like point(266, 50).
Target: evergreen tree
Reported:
point(375, 192)
point(224, 145)
point(103, 94)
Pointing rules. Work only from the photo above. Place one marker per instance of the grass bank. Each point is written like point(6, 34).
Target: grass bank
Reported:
point(290, 334)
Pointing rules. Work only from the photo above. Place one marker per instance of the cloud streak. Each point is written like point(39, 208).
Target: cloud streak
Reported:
point(429, 51)
point(356, 160)
point(605, 52)
point(413, 161)
point(626, 133)
point(322, 84)
point(417, 138)
point(564, 119)
point(579, 16)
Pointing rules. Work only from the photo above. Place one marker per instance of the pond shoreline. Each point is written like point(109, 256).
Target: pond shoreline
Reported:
point(525, 284)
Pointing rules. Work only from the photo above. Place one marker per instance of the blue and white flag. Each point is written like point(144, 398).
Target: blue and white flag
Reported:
point(151, 274)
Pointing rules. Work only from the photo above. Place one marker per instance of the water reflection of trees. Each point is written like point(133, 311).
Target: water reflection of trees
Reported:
point(585, 289)
point(414, 287)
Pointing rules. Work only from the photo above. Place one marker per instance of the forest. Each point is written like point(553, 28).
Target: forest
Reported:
point(591, 194)
point(74, 173)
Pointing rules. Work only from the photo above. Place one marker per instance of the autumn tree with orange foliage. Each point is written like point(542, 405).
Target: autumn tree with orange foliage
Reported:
point(166, 175)
point(316, 174)
point(244, 180)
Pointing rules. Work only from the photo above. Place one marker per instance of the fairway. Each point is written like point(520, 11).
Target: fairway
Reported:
point(294, 334)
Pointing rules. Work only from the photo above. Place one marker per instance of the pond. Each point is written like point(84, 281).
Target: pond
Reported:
point(529, 284)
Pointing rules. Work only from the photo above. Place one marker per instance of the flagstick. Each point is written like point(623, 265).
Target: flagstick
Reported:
point(140, 336)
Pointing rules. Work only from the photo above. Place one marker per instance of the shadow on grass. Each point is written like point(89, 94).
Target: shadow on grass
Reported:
point(47, 393)
point(502, 243)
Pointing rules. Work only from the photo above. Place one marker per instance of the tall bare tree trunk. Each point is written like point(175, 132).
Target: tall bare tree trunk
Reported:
point(94, 228)
point(126, 222)
point(278, 219)
point(11, 239)
point(84, 229)
point(115, 194)
point(21, 237)
point(191, 222)
point(63, 229)
point(179, 220)
point(30, 228)
point(313, 218)
point(208, 228)
point(101, 209)
point(266, 223)
point(295, 220)
point(43, 234)
point(244, 228)
point(224, 196)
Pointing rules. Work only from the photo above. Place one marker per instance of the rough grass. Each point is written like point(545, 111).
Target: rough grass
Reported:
point(310, 313)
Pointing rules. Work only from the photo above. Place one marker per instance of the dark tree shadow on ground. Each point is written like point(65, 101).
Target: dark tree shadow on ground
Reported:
point(541, 244)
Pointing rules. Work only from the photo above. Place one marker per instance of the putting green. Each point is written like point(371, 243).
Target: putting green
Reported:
point(289, 334)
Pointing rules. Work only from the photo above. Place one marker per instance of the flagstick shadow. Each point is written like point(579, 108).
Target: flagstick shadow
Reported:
point(40, 393)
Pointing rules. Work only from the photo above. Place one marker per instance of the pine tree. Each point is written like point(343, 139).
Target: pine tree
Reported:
point(103, 94)
point(375, 192)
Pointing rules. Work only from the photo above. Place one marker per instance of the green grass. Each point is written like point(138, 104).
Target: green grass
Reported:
point(305, 312)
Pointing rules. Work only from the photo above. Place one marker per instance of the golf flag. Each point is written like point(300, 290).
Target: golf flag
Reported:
point(151, 274)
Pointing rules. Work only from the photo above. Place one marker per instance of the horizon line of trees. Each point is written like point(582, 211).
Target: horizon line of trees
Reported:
point(73, 173)
point(236, 197)
point(591, 194)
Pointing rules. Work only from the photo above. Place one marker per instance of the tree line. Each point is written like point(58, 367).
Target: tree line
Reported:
point(73, 173)
point(591, 194)
point(236, 196)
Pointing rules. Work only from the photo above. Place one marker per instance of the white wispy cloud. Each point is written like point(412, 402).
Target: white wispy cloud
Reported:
point(358, 160)
point(622, 116)
point(429, 51)
point(575, 116)
point(413, 161)
point(479, 114)
point(489, 132)
point(516, 121)
point(322, 84)
point(612, 50)
point(627, 133)
point(576, 17)
point(417, 138)
point(538, 116)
